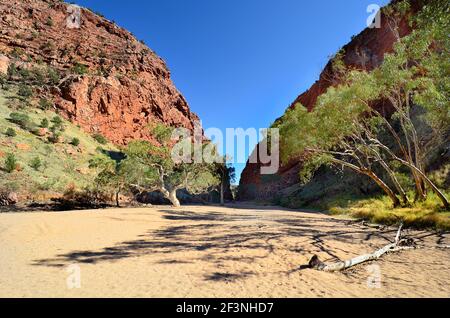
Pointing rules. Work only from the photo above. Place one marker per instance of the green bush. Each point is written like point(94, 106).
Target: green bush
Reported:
point(24, 122)
point(53, 76)
point(38, 76)
point(100, 139)
point(45, 104)
point(2, 80)
point(10, 132)
point(36, 163)
point(79, 69)
point(44, 123)
point(10, 162)
point(12, 70)
point(25, 91)
point(19, 119)
point(75, 142)
point(57, 124)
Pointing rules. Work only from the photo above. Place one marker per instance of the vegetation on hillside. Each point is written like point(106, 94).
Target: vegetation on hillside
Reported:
point(47, 161)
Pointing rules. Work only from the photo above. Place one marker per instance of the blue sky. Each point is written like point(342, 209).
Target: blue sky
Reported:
point(240, 63)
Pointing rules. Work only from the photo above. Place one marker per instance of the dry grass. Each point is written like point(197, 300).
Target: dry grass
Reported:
point(428, 214)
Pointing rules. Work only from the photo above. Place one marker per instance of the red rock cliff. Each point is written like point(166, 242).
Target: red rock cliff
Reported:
point(365, 51)
point(124, 85)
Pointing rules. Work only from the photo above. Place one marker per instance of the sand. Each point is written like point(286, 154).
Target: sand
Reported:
point(200, 251)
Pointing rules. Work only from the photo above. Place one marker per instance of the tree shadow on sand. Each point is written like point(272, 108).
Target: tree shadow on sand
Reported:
point(214, 237)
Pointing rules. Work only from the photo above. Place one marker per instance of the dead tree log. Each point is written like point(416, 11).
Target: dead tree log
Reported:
point(398, 245)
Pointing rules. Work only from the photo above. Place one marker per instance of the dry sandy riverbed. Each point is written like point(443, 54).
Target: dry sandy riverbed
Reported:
point(207, 252)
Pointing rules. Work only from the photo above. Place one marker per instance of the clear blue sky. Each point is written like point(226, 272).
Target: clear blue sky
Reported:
point(240, 63)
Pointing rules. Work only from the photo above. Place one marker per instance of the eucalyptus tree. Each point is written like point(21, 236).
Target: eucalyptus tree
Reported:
point(344, 128)
point(115, 176)
point(226, 173)
point(158, 171)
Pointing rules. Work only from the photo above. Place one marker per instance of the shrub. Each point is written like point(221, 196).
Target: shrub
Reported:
point(10, 132)
point(45, 104)
point(2, 80)
point(10, 162)
point(55, 137)
point(49, 22)
point(57, 121)
point(53, 76)
point(57, 124)
point(75, 142)
point(19, 119)
point(17, 53)
point(38, 76)
point(36, 163)
point(24, 122)
point(86, 198)
point(79, 69)
point(25, 91)
point(34, 129)
point(44, 123)
point(100, 139)
point(12, 70)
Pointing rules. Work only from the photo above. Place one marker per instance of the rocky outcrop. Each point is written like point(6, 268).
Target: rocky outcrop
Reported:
point(365, 51)
point(4, 63)
point(8, 198)
point(109, 82)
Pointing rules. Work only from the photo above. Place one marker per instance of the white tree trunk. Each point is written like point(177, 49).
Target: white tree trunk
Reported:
point(339, 266)
point(173, 198)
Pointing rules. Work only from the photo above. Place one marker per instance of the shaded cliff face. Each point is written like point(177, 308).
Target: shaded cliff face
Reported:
point(365, 51)
point(110, 83)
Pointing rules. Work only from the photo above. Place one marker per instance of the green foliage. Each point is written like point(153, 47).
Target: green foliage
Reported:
point(344, 130)
point(53, 76)
point(75, 142)
point(12, 70)
point(60, 166)
point(44, 123)
point(49, 22)
point(10, 132)
point(161, 132)
point(36, 163)
point(3, 80)
point(20, 119)
point(25, 91)
point(80, 69)
point(17, 53)
point(10, 163)
point(54, 138)
point(57, 125)
point(57, 121)
point(100, 139)
point(158, 171)
point(45, 104)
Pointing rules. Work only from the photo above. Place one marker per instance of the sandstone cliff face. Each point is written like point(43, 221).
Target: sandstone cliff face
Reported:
point(365, 51)
point(123, 85)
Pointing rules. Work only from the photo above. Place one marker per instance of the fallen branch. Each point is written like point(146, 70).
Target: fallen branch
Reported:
point(398, 245)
